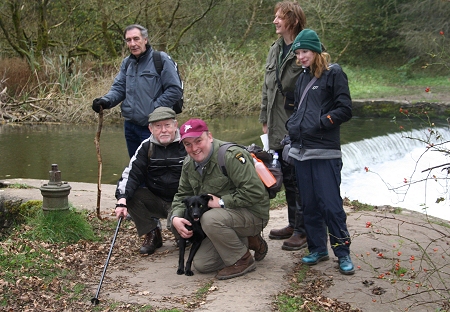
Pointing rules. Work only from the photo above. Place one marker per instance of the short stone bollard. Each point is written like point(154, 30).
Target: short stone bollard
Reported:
point(55, 193)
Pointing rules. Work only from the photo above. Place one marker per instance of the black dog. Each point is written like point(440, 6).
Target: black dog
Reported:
point(196, 206)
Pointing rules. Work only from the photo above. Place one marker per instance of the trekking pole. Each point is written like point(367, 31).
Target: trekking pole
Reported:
point(99, 159)
point(95, 300)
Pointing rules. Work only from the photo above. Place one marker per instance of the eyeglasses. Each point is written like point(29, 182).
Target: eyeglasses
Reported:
point(135, 39)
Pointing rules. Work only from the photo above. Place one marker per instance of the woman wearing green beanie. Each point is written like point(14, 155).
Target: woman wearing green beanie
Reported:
point(277, 104)
point(323, 102)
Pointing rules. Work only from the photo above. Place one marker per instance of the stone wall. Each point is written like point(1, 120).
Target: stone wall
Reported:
point(386, 108)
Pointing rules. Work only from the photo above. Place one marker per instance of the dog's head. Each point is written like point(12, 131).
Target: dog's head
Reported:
point(197, 205)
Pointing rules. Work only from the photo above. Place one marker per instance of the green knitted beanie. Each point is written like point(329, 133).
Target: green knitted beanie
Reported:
point(307, 39)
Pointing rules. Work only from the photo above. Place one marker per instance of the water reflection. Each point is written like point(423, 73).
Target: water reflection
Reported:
point(27, 151)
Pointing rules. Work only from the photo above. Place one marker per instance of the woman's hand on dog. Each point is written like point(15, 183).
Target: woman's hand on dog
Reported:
point(180, 226)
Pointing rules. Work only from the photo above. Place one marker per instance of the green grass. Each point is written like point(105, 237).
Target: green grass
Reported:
point(289, 301)
point(60, 226)
point(27, 252)
point(203, 291)
point(367, 83)
point(19, 186)
point(279, 200)
point(358, 206)
point(31, 260)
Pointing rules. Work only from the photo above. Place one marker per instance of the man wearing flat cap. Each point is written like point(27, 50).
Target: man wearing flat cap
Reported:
point(156, 164)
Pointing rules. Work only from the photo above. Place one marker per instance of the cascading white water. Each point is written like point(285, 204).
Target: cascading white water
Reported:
point(391, 159)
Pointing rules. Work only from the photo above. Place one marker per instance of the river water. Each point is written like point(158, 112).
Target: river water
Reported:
point(28, 151)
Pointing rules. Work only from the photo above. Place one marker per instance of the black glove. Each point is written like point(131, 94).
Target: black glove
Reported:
point(99, 102)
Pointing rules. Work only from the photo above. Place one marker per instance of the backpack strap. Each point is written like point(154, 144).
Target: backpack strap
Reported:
point(157, 61)
point(221, 156)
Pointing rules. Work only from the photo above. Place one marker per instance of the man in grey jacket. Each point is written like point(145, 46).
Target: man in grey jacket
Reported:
point(140, 88)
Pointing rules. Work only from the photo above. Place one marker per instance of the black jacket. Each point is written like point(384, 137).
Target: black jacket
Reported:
point(315, 123)
point(160, 173)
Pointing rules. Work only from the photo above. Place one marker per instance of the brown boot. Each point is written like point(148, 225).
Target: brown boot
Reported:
point(283, 233)
point(259, 245)
point(296, 242)
point(152, 241)
point(242, 266)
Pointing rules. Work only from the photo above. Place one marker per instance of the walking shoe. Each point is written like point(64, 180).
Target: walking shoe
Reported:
point(152, 241)
point(315, 258)
point(242, 266)
point(346, 265)
point(259, 245)
point(283, 233)
point(296, 242)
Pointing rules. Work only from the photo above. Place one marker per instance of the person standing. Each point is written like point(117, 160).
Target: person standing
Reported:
point(281, 73)
point(156, 165)
point(314, 129)
point(240, 204)
point(140, 88)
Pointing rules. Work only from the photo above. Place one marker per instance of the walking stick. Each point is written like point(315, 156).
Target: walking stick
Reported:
point(95, 300)
point(99, 159)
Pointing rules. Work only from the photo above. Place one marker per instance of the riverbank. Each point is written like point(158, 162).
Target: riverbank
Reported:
point(380, 240)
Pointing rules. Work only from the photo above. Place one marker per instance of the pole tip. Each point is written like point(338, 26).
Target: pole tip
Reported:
point(95, 301)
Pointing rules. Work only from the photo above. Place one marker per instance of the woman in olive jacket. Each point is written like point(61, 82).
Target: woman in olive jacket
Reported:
point(314, 129)
point(276, 107)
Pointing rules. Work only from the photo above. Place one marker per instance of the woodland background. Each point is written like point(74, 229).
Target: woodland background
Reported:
point(54, 51)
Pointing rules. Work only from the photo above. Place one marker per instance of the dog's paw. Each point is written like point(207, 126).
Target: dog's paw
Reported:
point(180, 271)
point(189, 273)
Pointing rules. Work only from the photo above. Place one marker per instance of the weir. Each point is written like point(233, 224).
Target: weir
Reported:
point(395, 174)
point(376, 150)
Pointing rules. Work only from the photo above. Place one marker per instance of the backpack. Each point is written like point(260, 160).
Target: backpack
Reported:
point(178, 106)
point(264, 156)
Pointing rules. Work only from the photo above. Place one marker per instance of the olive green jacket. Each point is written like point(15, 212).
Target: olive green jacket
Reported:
point(242, 188)
point(272, 106)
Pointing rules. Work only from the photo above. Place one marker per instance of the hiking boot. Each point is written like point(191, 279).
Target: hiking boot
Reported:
point(315, 258)
point(152, 241)
point(346, 265)
point(283, 233)
point(259, 245)
point(296, 242)
point(242, 266)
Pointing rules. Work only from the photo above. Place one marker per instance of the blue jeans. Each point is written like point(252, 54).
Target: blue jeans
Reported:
point(134, 135)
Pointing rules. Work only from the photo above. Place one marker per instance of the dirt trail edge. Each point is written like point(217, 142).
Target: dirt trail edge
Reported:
point(380, 239)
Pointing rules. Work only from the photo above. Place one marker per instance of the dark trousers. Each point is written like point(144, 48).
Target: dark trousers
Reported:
point(134, 135)
point(295, 210)
point(146, 208)
point(320, 181)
